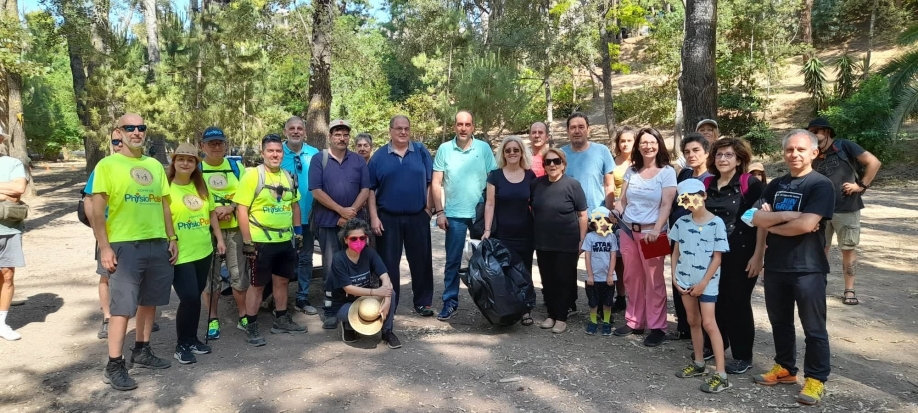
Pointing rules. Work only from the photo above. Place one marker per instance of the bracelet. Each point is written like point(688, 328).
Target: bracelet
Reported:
point(487, 230)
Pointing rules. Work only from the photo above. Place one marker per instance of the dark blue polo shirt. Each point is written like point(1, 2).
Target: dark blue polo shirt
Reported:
point(341, 181)
point(401, 182)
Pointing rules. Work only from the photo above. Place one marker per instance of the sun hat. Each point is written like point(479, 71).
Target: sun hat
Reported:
point(363, 316)
point(338, 123)
point(706, 122)
point(757, 166)
point(821, 123)
point(188, 149)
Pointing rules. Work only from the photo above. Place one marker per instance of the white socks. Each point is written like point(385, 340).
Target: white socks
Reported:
point(3, 318)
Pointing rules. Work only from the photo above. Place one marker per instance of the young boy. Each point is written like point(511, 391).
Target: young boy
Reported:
point(600, 246)
point(700, 238)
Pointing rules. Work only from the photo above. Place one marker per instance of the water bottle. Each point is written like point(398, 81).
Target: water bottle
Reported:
point(433, 221)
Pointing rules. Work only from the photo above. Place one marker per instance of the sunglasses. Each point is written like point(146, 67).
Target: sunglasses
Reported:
point(130, 128)
point(298, 164)
point(355, 238)
point(512, 150)
point(116, 142)
point(552, 161)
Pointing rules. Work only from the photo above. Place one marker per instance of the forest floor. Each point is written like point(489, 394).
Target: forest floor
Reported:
point(465, 365)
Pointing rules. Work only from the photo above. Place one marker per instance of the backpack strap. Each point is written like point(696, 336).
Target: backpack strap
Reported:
point(744, 184)
point(260, 169)
point(235, 168)
point(324, 158)
point(707, 181)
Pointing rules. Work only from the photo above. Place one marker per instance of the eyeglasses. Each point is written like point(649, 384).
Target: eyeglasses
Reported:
point(552, 161)
point(116, 142)
point(724, 155)
point(215, 144)
point(297, 163)
point(512, 150)
point(355, 238)
point(130, 128)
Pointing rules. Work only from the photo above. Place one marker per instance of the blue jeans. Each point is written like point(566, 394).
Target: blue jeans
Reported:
point(387, 323)
point(455, 242)
point(304, 266)
point(329, 244)
point(808, 292)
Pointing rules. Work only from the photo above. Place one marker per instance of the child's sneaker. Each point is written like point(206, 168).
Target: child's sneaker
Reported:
point(716, 384)
point(776, 375)
point(591, 328)
point(213, 329)
point(692, 370)
point(812, 392)
point(607, 329)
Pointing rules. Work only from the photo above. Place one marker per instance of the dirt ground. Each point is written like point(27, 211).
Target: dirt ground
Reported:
point(464, 365)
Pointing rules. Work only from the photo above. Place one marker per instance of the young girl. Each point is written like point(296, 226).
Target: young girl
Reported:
point(600, 246)
point(194, 219)
point(758, 170)
point(700, 238)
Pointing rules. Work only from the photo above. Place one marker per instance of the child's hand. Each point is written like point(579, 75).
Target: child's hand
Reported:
point(609, 280)
point(589, 280)
point(680, 290)
point(698, 289)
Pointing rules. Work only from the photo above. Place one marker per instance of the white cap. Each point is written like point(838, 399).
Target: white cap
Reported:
point(690, 186)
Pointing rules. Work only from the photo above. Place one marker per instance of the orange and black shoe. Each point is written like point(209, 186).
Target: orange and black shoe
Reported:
point(777, 375)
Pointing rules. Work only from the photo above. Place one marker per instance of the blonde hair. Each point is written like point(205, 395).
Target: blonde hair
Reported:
point(557, 152)
point(525, 160)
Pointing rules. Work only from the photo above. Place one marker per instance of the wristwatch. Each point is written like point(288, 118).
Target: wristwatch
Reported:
point(863, 185)
point(173, 238)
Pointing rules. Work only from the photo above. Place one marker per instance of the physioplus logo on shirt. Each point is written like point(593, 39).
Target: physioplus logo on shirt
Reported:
point(277, 209)
point(194, 224)
point(139, 198)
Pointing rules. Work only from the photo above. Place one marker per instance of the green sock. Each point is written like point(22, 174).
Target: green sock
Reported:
point(593, 317)
point(606, 316)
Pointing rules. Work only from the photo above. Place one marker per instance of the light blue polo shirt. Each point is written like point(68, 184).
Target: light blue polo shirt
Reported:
point(302, 175)
point(590, 168)
point(465, 174)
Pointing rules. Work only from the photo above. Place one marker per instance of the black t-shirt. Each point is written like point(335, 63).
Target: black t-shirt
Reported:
point(511, 205)
point(555, 207)
point(811, 193)
point(364, 273)
point(838, 163)
point(729, 204)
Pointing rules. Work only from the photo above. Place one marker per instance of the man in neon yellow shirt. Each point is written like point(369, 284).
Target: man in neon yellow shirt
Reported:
point(222, 178)
point(137, 246)
point(269, 213)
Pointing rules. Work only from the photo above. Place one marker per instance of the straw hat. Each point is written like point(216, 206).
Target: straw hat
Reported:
point(188, 149)
point(364, 317)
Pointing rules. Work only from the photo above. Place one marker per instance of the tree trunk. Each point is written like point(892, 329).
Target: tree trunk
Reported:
point(320, 97)
point(16, 143)
point(806, 22)
point(698, 81)
point(873, 16)
point(549, 106)
point(149, 19)
point(606, 62)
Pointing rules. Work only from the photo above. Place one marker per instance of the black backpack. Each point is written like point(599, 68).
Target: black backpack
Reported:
point(497, 282)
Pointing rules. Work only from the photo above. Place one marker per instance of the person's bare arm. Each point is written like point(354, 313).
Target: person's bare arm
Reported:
point(361, 199)
point(609, 186)
point(329, 203)
point(666, 205)
point(242, 215)
point(87, 209)
point(13, 190)
point(584, 224)
point(170, 229)
point(756, 263)
point(489, 211)
point(806, 223)
point(375, 223)
point(218, 234)
point(106, 254)
point(765, 218)
point(297, 219)
point(871, 167)
point(436, 189)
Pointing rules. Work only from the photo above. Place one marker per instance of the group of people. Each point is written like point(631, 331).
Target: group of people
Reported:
point(365, 208)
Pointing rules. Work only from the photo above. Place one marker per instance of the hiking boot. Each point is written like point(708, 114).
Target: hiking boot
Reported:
point(706, 353)
point(448, 312)
point(655, 338)
point(7, 333)
point(305, 307)
point(155, 327)
point(423, 310)
point(348, 335)
point(692, 370)
point(391, 339)
point(716, 384)
point(776, 375)
point(241, 325)
point(103, 330)
point(812, 392)
point(145, 358)
point(620, 304)
point(591, 328)
point(285, 324)
point(253, 336)
point(184, 355)
point(197, 347)
point(116, 375)
point(330, 323)
point(738, 366)
point(606, 329)
point(213, 330)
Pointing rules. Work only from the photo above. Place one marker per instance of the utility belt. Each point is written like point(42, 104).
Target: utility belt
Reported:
point(13, 211)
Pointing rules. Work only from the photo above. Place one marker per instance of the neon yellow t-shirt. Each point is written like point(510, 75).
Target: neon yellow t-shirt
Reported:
point(266, 209)
point(191, 219)
point(135, 188)
point(222, 184)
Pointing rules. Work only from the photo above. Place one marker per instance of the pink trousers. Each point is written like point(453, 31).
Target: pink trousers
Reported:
point(645, 285)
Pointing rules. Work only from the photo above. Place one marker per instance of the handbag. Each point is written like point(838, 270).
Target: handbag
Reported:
point(655, 249)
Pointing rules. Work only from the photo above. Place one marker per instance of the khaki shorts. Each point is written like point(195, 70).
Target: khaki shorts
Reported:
point(847, 226)
point(235, 263)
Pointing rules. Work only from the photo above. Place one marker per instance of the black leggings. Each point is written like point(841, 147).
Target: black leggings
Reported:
point(189, 281)
point(559, 281)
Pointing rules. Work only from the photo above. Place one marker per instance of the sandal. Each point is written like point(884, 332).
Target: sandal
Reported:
point(527, 320)
point(850, 300)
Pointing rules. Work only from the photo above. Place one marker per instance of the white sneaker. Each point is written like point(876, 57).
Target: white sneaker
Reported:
point(7, 333)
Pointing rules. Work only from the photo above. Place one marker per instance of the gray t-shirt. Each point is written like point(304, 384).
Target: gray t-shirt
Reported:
point(601, 249)
point(10, 169)
point(697, 243)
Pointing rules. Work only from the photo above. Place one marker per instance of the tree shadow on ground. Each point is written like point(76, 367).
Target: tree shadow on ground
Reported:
point(35, 310)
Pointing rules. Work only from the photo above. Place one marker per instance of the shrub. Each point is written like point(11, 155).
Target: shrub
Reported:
point(863, 117)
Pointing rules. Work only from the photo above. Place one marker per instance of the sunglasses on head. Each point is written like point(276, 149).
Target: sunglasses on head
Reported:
point(116, 142)
point(357, 238)
point(130, 128)
point(553, 161)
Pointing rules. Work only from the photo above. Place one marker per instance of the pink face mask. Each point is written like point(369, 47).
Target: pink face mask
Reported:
point(357, 245)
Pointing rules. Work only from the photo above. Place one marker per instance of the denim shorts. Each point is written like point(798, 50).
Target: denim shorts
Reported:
point(707, 299)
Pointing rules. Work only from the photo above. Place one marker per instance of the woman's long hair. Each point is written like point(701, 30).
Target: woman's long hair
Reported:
point(637, 158)
point(197, 177)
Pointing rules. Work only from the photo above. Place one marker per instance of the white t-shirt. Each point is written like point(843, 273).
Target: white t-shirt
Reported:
point(644, 195)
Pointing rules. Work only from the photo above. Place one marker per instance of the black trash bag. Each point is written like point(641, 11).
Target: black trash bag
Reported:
point(497, 282)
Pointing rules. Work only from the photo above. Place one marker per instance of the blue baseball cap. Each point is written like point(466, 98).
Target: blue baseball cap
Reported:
point(213, 133)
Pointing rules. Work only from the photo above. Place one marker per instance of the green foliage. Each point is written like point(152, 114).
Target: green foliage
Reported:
point(762, 138)
point(493, 91)
point(862, 118)
point(839, 20)
point(650, 104)
point(814, 81)
point(902, 73)
point(846, 78)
